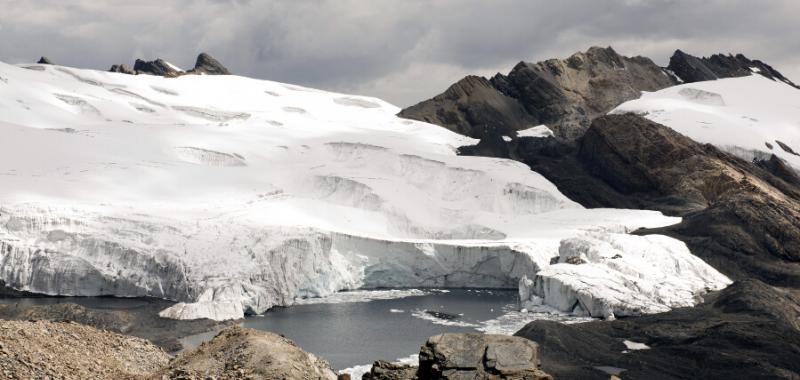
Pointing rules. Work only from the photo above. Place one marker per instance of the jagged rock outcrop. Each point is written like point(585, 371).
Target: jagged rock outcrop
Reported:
point(239, 353)
point(748, 331)
point(565, 94)
point(693, 69)
point(67, 350)
point(468, 356)
point(44, 61)
point(122, 68)
point(206, 64)
point(158, 67)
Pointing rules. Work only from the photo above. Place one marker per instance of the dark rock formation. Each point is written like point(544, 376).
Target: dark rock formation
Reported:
point(468, 356)
point(563, 94)
point(206, 64)
point(693, 69)
point(45, 61)
point(473, 107)
point(158, 67)
point(748, 331)
point(122, 68)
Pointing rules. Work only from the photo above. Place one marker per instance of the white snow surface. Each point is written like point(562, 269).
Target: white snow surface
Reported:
point(537, 131)
point(232, 195)
point(744, 116)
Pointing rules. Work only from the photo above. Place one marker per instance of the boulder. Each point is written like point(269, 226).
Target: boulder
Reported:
point(45, 61)
point(382, 370)
point(479, 356)
point(476, 356)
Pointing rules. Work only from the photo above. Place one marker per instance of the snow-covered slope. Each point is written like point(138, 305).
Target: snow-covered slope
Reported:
point(751, 117)
point(233, 195)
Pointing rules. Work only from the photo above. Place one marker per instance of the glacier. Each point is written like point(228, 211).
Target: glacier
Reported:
point(751, 117)
point(232, 195)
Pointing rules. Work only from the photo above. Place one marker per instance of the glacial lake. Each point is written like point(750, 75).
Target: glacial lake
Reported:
point(348, 331)
point(357, 333)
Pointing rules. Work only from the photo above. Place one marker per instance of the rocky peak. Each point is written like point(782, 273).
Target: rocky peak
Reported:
point(158, 67)
point(206, 64)
point(44, 61)
point(121, 68)
point(566, 94)
point(474, 107)
point(693, 69)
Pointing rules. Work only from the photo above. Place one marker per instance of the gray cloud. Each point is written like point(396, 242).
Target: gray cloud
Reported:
point(402, 51)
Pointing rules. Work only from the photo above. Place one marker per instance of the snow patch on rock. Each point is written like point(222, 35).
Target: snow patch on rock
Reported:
point(736, 115)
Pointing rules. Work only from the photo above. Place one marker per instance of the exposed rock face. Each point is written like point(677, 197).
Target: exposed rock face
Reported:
point(122, 68)
point(44, 61)
point(468, 356)
point(693, 69)
point(65, 350)
point(206, 64)
point(738, 217)
point(158, 67)
point(239, 353)
point(564, 94)
point(747, 331)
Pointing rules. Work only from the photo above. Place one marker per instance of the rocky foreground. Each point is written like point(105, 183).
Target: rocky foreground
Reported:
point(68, 350)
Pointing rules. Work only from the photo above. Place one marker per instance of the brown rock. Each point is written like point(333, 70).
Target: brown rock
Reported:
point(239, 353)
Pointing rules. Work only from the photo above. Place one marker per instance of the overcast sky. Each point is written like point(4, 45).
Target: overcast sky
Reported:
point(403, 51)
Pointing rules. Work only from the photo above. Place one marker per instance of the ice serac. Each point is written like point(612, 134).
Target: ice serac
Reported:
point(565, 94)
point(621, 275)
point(231, 195)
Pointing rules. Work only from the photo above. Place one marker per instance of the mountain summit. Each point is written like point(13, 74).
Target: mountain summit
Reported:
point(566, 94)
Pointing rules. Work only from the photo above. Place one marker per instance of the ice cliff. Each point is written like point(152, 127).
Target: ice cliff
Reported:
point(232, 195)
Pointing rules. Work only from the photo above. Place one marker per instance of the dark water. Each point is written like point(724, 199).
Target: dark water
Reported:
point(348, 334)
point(345, 334)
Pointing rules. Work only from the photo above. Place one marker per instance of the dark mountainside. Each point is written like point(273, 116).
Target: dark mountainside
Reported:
point(693, 69)
point(565, 94)
point(741, 217)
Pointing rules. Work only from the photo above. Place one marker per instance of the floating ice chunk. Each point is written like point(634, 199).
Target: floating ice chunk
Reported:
point(635, 346)
point(362, 296)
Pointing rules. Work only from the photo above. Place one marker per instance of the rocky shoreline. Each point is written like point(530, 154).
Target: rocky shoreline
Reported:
point(69, 350)
point(140, 321)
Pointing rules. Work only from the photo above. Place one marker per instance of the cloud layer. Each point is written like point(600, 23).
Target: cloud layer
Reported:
point(402, 51)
